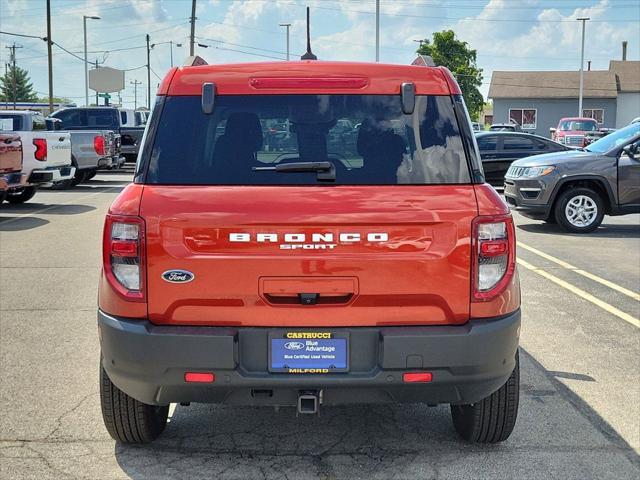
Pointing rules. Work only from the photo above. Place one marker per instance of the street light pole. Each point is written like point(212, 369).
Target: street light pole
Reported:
point(135, 84)
point(377, 30)
point(584, 21)
point(148, 74)
point(49, 57)
point(287, 25)
point(86, 62)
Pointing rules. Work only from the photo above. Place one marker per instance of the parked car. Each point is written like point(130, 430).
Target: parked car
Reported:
point(108, 118)
point(571, 131)
point(505, 127)
point(590, 137)
point(477, 127)
point(577, 188)
point(11, 175)
point(498, 150)
point(246, 277)
point(46, 156)
point(91, 150)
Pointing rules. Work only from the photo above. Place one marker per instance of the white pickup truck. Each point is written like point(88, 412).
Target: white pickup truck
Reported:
point(46, 156)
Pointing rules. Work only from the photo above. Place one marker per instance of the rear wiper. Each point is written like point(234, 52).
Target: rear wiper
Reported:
point(326, 170)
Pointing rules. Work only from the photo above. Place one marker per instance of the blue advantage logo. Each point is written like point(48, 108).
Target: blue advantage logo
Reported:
point(294, 345)
point(178, 276)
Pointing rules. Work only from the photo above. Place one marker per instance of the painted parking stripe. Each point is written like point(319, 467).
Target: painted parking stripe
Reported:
point(581, 293)
point(591, 276)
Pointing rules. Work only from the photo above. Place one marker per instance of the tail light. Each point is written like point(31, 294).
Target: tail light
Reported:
point(494, 256)
point(99, 145)
point(41, 149)
point(124, 255)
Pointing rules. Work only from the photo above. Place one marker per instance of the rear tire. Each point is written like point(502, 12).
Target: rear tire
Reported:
point(79, 177)
point(22, 196)
point(90, 175)
point(492, 419)
point(128, 420)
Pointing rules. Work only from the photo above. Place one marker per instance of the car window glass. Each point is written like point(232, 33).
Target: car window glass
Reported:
point(123, 117)
point(38, 122)
point(102, 118)
point(367, 137)
point(517, 143)
point(70, 118)
point(487, 142)
point(9, 122)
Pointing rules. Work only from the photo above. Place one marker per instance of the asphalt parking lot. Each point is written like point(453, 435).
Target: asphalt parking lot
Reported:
point(580, 394)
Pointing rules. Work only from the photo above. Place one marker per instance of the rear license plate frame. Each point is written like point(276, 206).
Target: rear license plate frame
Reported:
point(283, 336)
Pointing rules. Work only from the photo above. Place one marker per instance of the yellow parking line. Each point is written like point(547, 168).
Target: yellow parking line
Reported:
point(589, 275)
point(581, 293)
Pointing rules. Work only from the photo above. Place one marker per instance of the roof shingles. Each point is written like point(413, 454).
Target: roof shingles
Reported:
point(597, 84)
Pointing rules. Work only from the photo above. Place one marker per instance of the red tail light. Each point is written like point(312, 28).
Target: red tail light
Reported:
point(494, 256)
point(124, 256)
point(98, 145)
point(41, 149)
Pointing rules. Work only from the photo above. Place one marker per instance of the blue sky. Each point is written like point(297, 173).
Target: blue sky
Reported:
point(508, 34)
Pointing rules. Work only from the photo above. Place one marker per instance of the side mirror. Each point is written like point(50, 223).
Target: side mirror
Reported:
point(631, 150)
point(53, 124)
point(552, 130)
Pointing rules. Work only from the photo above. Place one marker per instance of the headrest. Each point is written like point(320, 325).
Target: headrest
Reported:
point(245, 127)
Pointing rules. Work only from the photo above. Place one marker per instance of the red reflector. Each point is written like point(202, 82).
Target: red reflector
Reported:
point(493, 249)
point(196, 377)
point(309, 82)
point(417, 377)
point(41, 149)
point(124, 248)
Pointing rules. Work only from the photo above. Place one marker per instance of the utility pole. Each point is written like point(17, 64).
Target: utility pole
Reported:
point(12, 59)
point(584, 21)
point(377, 30)
point(135, 84)
point(287, 25)
point(148, 74)
point(50, 57)
point(193, 27)
point(86, 62)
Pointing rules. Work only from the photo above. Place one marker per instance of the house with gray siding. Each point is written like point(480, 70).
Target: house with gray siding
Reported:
point(537, 100)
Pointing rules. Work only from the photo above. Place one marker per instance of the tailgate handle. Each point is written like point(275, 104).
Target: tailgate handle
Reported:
point(309, 299)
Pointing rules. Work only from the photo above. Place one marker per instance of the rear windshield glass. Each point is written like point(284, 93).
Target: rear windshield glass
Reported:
point(580, 125)
point(10, 122)
point(366, 138)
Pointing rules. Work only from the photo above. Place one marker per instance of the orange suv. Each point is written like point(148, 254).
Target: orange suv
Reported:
point(361, 258)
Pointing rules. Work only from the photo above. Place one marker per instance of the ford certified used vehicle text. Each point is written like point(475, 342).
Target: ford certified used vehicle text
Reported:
point(361, 258)
point(577, 188)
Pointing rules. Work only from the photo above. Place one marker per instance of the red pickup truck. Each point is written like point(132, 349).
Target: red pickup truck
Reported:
point(571, 131)
point(361, 259)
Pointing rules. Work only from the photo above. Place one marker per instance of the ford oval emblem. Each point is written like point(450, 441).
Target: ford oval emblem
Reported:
point(294, 345)
point(178, 276)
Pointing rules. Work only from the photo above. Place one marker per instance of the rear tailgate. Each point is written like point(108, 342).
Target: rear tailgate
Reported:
point(10, 153)
point(58, 148)
point(384, 255)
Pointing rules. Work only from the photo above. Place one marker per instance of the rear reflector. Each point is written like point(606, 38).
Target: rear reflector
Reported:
point(198, 377)
point(309, 82)
point(417, 377)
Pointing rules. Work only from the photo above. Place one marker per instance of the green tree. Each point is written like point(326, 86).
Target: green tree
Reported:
point(55, 100)
point(456, 55)
point(23, 87)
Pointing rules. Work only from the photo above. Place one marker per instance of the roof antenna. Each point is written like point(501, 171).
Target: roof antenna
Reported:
point(308, 55)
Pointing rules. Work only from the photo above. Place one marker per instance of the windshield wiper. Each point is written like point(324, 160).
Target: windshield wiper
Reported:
point(326, 170)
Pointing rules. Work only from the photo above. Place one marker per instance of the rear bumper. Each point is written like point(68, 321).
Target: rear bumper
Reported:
point(12, 180)
point(468, 362)
point(51, 175)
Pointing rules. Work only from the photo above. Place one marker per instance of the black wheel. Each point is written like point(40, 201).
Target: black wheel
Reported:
point(90, 175)
point(492, 419)
point(128, 420)
point(79, 177)
point(579, 210)
point(20, 196)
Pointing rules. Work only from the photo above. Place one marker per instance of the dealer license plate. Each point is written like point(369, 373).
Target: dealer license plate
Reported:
point(308, 352)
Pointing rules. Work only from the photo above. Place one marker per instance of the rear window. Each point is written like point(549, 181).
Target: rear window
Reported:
point(366, 137)
point(579, 125)
point(9, 122)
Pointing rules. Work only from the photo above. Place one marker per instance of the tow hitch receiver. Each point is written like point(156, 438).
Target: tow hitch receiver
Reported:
point(308, 402)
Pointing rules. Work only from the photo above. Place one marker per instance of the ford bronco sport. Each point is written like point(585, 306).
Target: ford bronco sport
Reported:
point(360, 259)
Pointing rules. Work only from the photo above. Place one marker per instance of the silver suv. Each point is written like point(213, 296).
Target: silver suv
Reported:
point(578, 187)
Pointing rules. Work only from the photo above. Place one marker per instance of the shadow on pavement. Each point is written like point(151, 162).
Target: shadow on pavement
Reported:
point(386, 441)
point(49, 209)
point(604, 231)
point(18, 224)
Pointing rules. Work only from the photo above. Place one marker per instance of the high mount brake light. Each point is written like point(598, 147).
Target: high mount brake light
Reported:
point(41, 149)
point(124, 256)
point(308, 82)
point(494, 256)
point(99, 145)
